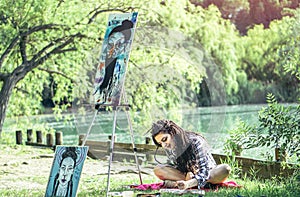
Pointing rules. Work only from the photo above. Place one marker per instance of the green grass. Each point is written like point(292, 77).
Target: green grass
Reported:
point(95, 186)
point(272, 188)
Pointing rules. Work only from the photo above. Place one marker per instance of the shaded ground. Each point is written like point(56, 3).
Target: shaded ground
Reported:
point(24, 167)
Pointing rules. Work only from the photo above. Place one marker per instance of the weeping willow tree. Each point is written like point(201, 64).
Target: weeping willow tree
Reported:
point(44, 45)
point(182, 56)
point(52, 47)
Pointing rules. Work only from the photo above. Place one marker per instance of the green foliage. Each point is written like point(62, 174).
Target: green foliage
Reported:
point(279, 127)
point(178, 47)
point(237, 140)
point(262, 54)
point(69, 76)
point(7, 139)
point(60, 72)
point(164, 74)
point(290, 52)
point(219, 38)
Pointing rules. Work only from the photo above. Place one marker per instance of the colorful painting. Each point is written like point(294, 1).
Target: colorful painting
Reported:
point(66, 170)
point(114, 57)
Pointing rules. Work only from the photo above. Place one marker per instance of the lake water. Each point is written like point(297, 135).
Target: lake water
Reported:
point(212, 122)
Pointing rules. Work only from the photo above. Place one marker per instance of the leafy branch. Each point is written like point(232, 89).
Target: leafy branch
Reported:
point(279, 127)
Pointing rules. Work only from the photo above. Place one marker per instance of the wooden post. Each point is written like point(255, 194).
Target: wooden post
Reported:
point(108, 145)
point(29, 136)
point(280, 155)
point(58, 138)
point(49, 138)
point(149, 157)
point(277, 157)
point(18, 137)
point(80, 140)
point(148, 140)
point(109, 138)
point(39, 137)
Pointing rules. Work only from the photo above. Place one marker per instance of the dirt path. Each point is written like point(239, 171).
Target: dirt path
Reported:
point(24, 167)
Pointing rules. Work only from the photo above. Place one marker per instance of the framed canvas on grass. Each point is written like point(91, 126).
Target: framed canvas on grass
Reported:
point(66, 170)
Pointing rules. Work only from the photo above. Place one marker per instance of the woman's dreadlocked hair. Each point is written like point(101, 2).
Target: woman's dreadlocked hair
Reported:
point(168, 126)
point(180, 136)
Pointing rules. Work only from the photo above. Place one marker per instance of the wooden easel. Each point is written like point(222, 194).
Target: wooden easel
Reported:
point(125, 26)
point(126, 106)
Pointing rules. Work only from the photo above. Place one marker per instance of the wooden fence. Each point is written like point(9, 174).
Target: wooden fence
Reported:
point(39, 138)
point(147, 153)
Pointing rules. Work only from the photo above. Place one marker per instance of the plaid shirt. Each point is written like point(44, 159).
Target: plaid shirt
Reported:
point(196, 158)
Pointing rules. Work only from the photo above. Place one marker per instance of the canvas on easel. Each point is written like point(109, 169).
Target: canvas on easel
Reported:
point(114, 57)
point(66, 170)
point(110, 74)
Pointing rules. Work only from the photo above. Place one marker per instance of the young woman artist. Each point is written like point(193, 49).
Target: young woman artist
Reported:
point(192, 163)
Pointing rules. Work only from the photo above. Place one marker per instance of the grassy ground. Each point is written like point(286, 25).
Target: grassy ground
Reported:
point(24, 171)
point(96, 187)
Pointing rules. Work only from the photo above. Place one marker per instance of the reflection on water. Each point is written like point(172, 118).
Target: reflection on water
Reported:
point(212, 122)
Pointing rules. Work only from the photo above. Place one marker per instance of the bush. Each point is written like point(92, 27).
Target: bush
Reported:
point(278, 128)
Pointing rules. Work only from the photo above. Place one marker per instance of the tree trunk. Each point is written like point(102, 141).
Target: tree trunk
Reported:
point(6, 91)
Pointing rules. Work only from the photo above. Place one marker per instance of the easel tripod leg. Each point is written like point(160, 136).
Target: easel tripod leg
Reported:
point(111, 152)
point(133, 146)
point(132, 137)
point(89, 129)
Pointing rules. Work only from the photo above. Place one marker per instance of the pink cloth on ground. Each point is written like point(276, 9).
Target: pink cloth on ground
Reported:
point(150, 186)
point(157, 186)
